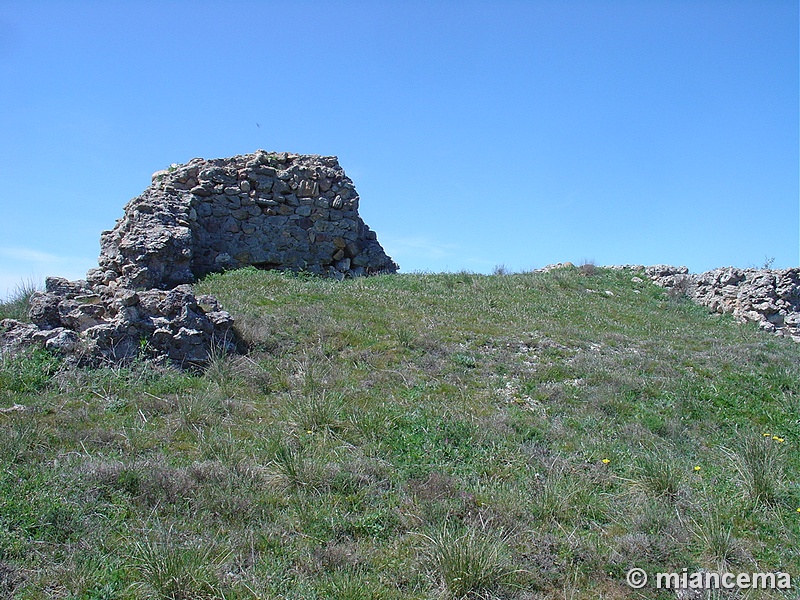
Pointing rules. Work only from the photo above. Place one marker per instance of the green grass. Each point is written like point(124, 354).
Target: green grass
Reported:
point(454, 435)
point(16, 305)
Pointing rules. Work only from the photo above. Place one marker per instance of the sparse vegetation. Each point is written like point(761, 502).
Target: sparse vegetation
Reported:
point(16, 305)
point(680, 289)
point(588, 267)
point(409, 436)
point(166, 570)
point(500, 270)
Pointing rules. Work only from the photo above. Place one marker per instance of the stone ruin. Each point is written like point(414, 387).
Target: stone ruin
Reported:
point(273, 211)
point(269, 210)
point(770, 298)
point(95, 325)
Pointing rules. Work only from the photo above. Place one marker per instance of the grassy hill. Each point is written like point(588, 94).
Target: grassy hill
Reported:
point(411, 436)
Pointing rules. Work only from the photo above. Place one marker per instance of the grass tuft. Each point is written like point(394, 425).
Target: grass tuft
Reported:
point(760, 463)
point(167, 570)
point(16, 305)
point(28, 371)
point(714, 532)
point(470, 564)
point(658, 472)
point(296, 468)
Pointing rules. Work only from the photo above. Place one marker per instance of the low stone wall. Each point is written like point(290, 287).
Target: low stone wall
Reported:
point(768, 297)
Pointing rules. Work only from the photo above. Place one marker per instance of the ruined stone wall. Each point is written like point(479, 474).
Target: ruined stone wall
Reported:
point(270, 210)
point(768, 297)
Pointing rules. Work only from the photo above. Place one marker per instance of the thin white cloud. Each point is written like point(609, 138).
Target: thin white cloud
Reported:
point(423, 254)
point(26, 266)
point(30, 256)
point(419, 247)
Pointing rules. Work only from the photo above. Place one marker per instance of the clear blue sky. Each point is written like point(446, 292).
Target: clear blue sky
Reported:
point(477, 133)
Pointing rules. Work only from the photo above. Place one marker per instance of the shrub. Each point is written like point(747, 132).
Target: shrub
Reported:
point(680, 288)
point(500, 270)
point(587, 268)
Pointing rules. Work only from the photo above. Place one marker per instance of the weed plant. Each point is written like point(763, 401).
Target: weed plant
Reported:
point(760, 464)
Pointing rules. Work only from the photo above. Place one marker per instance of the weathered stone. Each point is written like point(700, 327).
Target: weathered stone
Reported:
point(128, 298)
point(42, 336)
point(15, 335)
point(43, 310)
point(352, 249)
point(205, 216)
point(110, 325)
point(231, 225)
point(64, 287)
point(307, 188)
point(201, 190)
point(64, 342)
point(771, 298)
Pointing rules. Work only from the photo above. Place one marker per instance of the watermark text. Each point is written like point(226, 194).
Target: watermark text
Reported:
point(708, 580)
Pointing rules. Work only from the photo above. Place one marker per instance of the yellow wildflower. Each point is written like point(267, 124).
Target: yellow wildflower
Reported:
point(605, 461)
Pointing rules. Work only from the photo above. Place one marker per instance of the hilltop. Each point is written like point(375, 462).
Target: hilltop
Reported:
point(529, 435)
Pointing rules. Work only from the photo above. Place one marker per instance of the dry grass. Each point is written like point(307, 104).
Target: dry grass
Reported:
point(410, 436)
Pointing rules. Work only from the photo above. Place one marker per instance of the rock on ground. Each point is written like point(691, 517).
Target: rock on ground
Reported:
point(106, 325)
